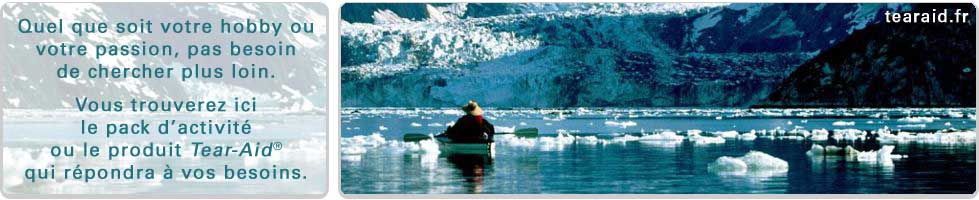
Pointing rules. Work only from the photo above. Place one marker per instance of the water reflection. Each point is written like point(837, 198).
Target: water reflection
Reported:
point(473, 168)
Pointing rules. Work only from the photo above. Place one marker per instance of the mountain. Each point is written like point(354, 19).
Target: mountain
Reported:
point(890, 65)
point(594, 54)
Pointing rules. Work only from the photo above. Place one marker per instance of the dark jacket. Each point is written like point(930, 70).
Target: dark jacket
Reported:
point(471, 129)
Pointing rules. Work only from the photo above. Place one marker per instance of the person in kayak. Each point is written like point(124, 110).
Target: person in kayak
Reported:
point(472, 127)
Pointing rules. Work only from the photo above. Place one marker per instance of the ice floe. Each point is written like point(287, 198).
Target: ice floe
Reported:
point(504, 129)
point(726, 134)
point(819, 135)
point(663, 136)
point(849, 134)
point(887, 136)
point(703, 140)
point(916, 120)
point(752, 163)
point(883, 156)
point(624, 124)
point(844, 123)
point(362, 144)
point(912, 126)
point(749, 136)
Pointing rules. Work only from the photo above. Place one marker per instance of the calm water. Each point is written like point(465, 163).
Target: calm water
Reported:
point(541, 165)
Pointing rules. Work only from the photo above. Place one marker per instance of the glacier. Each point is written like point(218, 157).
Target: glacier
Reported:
point(574, 55)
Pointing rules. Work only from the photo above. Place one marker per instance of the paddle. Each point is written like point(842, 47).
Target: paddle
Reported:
point(415, 137)
point(524, 132)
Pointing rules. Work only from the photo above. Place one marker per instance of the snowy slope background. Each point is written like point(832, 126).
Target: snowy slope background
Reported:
point(566, 55)
point(29, 80)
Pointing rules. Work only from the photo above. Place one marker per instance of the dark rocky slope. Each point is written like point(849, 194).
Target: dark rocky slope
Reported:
point(890, 65)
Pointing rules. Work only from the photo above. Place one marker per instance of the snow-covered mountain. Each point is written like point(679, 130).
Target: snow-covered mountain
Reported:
point(544, 55)
point(890, 65)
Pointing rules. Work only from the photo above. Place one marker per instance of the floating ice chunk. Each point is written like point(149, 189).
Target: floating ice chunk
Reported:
point(910, 119)
point(694, 132)
point(453, 112)
point(624, 124)
point(828, 150)
point(428, 147)
point(819, 135)
point(912, 126)
point(798, 131)
point(351, 158)
point(353, 150)
point(843, 123)
point(413, 124)
point(382, 128)
point(757, 160)
point(884, 135)
point(504, 129)
point(816, 150)
point(791, 137)
point(512, 140)
point(963, 137)
point(434, 124)
point(726, 134)
point(753, 161)
point(954, 114)
point(555, 143)
point(361, 144)
point(884, 154)
point(587, 140)
point(849, 134)
point(625, 138)
point(833, 150)
point(850, 151)
point(373, 140)
point(702, 140)
point(560, 117)
point(726, 164)
point(948, 123)
point(664, 136)
point(750, 136)
point(718, 118)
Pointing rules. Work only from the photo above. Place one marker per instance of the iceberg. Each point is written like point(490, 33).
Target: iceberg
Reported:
point(843, 123)
point(726, 134)
point(664, 136)
point(702, 140)
point(750, 136)
point(624, 124)
point(753, 162)
point(916, 120)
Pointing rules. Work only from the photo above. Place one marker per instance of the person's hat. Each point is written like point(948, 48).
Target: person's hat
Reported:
point(472, 108)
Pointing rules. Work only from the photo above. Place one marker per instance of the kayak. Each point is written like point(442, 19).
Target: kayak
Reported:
point(480, 147)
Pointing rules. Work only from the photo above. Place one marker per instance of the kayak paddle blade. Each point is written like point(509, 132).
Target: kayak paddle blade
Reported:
point(415, 137)
point(526, 132)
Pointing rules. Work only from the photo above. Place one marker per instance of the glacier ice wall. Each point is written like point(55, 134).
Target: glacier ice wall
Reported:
point(556, 55)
